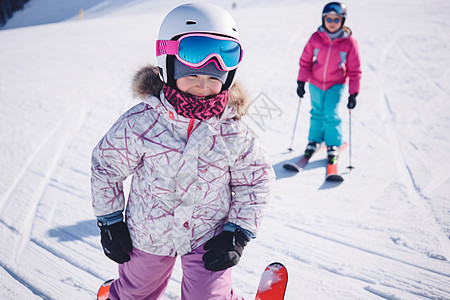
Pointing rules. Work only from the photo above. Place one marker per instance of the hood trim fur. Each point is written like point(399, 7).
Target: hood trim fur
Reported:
point(146, 83)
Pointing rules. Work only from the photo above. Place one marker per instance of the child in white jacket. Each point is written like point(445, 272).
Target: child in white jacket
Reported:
point(200, 181)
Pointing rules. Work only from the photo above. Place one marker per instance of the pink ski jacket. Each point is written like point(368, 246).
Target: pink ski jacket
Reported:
point(325, 63)
point(183, 189)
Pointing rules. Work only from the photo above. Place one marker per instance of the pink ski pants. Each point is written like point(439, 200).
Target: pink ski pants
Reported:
point(146, 276)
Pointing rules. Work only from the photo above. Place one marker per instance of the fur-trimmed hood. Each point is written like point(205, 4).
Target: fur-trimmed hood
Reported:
point(146, 83)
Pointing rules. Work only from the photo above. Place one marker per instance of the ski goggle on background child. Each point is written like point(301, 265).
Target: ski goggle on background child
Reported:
point(333, 8)
point(195, 49)
point(330, 20)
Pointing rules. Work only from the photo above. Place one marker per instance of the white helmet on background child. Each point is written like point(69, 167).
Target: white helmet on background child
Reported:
point(202, 19)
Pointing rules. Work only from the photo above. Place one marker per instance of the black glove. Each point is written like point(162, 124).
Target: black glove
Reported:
point(352, 101)
point(116, 241)
point(224, 250)
point(301, 89)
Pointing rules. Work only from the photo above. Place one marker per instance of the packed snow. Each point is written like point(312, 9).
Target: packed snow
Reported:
point(381, 234)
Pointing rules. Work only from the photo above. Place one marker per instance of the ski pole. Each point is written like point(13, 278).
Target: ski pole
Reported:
point(295, 125)
point(350, 139)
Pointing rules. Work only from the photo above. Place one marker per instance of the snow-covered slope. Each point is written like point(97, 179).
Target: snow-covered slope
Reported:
point(383, 233)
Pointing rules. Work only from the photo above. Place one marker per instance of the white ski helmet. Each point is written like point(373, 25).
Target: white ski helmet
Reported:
point(194, 18)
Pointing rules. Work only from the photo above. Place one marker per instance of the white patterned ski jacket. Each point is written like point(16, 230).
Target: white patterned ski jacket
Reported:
point(183, 190)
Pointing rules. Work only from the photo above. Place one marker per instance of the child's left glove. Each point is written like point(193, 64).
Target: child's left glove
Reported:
point(352, 101)
point(224, 250)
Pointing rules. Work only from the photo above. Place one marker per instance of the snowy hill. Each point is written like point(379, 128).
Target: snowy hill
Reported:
point(382, 233)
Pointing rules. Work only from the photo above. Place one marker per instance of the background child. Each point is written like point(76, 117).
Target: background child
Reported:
point(200, 181)
point(330, 59)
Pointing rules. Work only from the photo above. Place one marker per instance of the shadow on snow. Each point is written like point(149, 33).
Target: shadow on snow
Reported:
point(78, 231)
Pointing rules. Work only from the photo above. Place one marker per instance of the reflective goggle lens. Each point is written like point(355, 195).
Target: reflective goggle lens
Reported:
point(334, 7)
point(195, 49)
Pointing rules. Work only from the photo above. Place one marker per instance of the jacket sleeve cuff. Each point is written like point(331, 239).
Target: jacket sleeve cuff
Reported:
point(232, 227)
point(110, 219)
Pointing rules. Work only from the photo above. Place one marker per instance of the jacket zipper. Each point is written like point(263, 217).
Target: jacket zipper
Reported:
point(326, 67)
point(190, 127)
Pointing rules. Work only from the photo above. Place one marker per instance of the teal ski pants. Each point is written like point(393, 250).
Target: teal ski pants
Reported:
point(325, 123)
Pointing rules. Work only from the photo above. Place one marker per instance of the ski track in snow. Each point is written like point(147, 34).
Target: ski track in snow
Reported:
point(31, 159)
point(28, 220)
point(20, 232)
point(378, 260)
point(369, 251)
point(407, 177)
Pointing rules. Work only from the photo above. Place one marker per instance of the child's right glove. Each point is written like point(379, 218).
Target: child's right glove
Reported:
point(116, 241)
point(224, 250)
point(300, 89)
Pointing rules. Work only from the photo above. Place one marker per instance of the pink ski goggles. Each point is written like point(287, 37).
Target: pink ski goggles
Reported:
point(195, 49)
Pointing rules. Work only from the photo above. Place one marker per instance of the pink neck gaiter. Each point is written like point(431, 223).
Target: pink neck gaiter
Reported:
point(193, 108)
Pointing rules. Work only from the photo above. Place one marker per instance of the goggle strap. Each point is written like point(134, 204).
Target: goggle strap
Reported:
point(166, 47)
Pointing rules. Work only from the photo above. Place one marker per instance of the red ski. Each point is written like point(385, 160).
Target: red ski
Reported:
point(332, 168)
point(301, 163)
point(272, 285)
point(103, 292)
point(332, 174)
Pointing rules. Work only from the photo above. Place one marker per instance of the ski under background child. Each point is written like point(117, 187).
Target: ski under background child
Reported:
point(332, 167)
point(332, 173)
